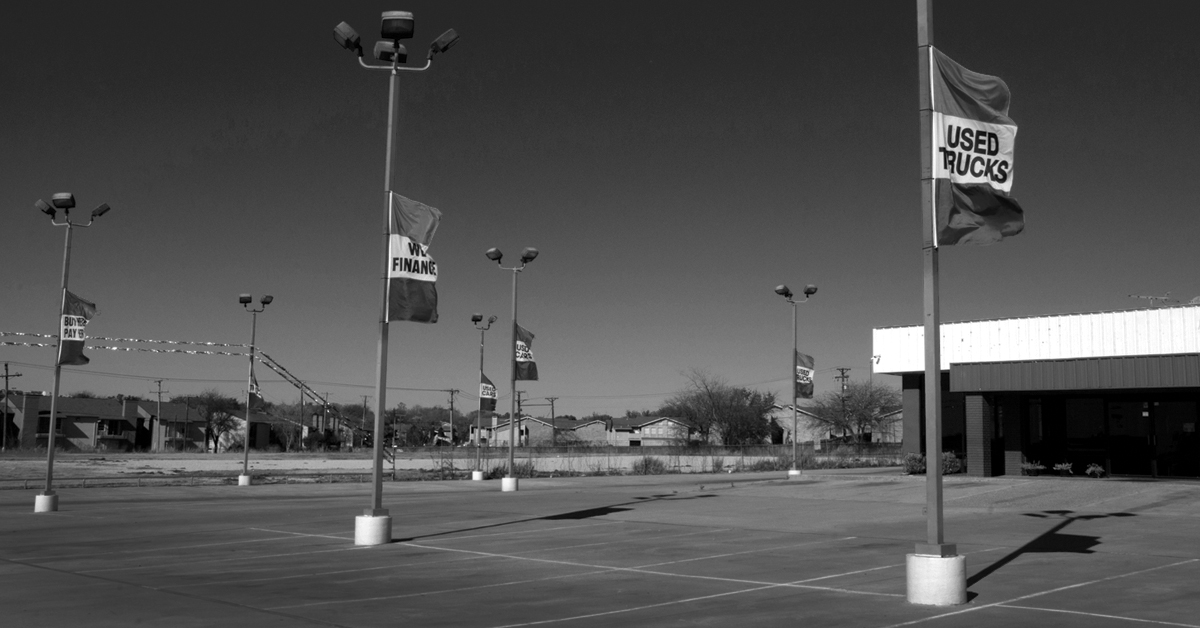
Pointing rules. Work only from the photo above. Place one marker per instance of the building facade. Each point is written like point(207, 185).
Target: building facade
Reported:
point(1115, 389)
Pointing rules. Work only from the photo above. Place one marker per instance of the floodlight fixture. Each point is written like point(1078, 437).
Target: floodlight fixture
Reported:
point(491, 319)
point(494, 254)
point(476, 317)
point(100, 211)
point(348, 38)
point(45, 208)
point(390, 52)
point(443, 43)
point(783, 291)
point(245, 299)
point(396, 25)
point(810, 290)
point(528, 255)
point(63, 200)
point(266, 299)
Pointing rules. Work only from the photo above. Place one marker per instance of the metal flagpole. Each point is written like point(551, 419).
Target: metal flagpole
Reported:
point(377, 509)
point(935, 536)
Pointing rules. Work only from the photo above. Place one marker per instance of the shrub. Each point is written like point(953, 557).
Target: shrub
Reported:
point(914, 464)
point(1095, 470)
point(718, 464)
point(649, 465)
point(1032, 468)
point(951, 463)
point(778, 463)
point(1064, 466)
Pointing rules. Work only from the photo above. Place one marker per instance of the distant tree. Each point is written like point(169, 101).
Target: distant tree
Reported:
point(217, 411)
point(84, 394)
point(858, 412)
point(734, 414)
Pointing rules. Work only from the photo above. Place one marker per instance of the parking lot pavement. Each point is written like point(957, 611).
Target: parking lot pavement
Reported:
point(702, 550)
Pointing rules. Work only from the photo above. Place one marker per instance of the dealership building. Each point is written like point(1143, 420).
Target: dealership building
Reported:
point(1117, 389)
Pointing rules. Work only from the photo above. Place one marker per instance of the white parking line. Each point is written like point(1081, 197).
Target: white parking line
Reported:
point(1033, 595)
point(1133, 619)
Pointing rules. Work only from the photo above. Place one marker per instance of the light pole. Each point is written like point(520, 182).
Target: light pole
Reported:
point(48, 500)
point(509, 483)
point(477, 474)
point(374, 527)
point(246, 300)
point(786, 293)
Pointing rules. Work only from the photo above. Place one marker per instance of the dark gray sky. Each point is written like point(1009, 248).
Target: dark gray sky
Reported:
point(673, 161)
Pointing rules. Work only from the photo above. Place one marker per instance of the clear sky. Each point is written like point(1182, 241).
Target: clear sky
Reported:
point(673, 161)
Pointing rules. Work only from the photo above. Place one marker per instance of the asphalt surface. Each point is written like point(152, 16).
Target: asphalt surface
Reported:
point(690, 550)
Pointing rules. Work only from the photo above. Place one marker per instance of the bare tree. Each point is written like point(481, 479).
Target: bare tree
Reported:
point(865, 407)
point(734, 414)
point(217, 411)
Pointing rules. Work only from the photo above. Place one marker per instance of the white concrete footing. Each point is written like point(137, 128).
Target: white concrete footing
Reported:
point(45, 503)
point(243, 480)
point(370, 530)
point(793, 473)
point(937, 580)
point(476, 476)
point(508, 484)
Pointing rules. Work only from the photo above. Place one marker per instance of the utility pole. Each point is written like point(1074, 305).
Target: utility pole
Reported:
point(4, 410)
point(518, 414)
point(452, 391)
point(553, 427)
point(843, 377)
point(364, 417)
point(325, 414)
point(158, 413)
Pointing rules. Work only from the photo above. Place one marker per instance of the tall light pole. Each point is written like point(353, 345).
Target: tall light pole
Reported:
point(786, 293)
point(477, 319)
point(246, 300)
point(48, 500)
point(509, 483)
point(374, 527)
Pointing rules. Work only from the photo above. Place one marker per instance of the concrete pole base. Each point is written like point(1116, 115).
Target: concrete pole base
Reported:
point(243, 480)
point(508, 484)
point(370, 530)
point(793, 473)
point(45, 503)
point(476, 476)
point(937, 580)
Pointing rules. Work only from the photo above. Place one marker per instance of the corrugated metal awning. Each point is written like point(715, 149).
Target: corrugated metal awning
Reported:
point(1158, 371)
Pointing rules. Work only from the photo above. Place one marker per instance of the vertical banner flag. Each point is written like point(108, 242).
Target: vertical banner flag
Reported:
point(526, 367)
point(973, 140)
point(256, 400)
point(487, 394)
point(804, 376)
point(76, 313)
point(412, 274)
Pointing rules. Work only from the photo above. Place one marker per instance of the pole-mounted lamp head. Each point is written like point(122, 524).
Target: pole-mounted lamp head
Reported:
point(266, 300)
point(783, 291)
point(494, 254)
point(810, 290)
point(63, 200)
point(396, 25)
point(391, 52)
point(348, 38)
point(528, 255)
point(476, 318)
point(45, 208)
point(100, 211)
point(245, 299)
point(443, 43)
point(491, 319)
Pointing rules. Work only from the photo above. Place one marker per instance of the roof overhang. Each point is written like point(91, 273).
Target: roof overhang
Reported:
point(1127, 372)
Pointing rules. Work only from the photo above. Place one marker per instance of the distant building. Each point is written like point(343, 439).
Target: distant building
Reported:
point(117, 424)
point(1118, 389)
